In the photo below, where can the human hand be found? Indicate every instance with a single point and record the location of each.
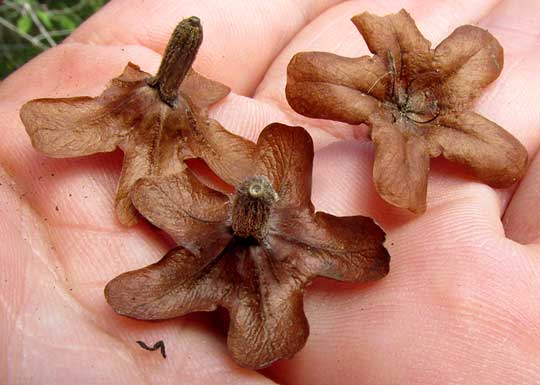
(460, 302)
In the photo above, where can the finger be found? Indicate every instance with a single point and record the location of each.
(511, 101)
(521, 219)
(515, 24)
(234, 31)
(516, 27)
(73, 70)
(248, 117)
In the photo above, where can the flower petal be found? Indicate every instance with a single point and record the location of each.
(193, 214)
(323, 100)
(83, 125)
(230, 156)
(267, 316)
(202, 91)
(135, 166)
(72, 126)
(468, 60)
(150, 149)
(401, 166)
(342, 248)
(396, 40)
(495, 155)
(180, 283)
(366, 74)
(285, 157)
(132, 73)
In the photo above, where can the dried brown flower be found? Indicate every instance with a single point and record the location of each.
(416, 100)
(252, 252)
(156, 121)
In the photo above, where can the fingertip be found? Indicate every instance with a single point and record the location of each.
(73, 70)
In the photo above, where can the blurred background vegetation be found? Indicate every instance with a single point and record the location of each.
(28, 27)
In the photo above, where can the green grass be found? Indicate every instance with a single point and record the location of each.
(28, 27)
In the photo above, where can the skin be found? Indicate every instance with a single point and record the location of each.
(460, 305)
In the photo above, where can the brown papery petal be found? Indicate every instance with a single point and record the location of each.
(366, 74)
(230, 156)
(468, 60)
(342, 248)
(285, 157)
(179, 283)
(142, 157)
(401, 166)
(83, 125)
(136, 165)
(495, 155)
(395, 38)
(268, 323)
(193, 214)
(139, 161)
(330, 101)
(72, 127)
(132, 73)
(202, 91)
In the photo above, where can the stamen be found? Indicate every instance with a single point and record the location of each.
(427, 121)
(377, 82)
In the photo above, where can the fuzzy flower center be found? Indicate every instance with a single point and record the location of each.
(416, 99)
(251, 207)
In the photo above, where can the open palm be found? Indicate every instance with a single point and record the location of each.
(461, 304)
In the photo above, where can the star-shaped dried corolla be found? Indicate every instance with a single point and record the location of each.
(416, 101)
(156, 121)
(252, 252)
